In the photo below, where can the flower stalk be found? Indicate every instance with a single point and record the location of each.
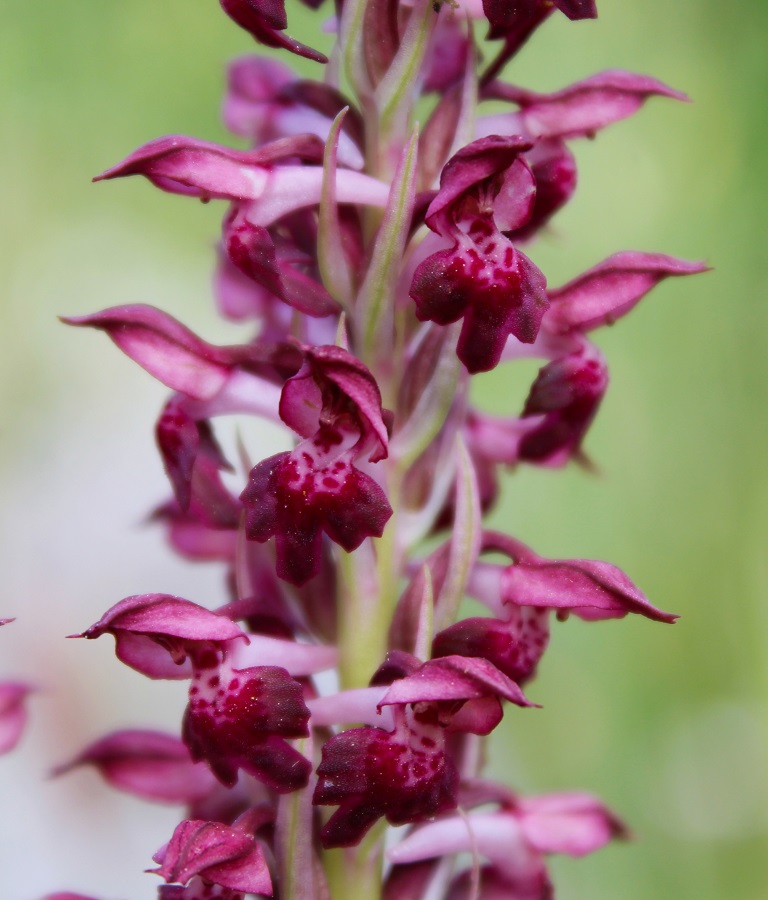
(376, 264)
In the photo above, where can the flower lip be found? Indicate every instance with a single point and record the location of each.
(297, 498)
(240, 719)
(561, 406)
(371, 773)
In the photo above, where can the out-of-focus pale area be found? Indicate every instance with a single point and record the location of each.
(667, 723)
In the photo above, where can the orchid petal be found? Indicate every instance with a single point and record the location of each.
(580, 585)
(265, 21)
(184, 165)
(164, 347)
(148, 764)
(585, 107)
(609, 290)
(219, 853)
(370, 773)
(155, 633)
(13, 713)
(454, 678)
(570, 823)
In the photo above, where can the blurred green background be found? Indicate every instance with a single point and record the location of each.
(667, 724)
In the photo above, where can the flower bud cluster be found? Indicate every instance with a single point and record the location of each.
(376, 265)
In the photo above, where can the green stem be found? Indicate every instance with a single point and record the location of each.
(366, 603)
(354, 873)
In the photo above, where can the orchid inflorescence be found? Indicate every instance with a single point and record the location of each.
(378, 266)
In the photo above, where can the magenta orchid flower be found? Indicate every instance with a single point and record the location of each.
(514, 839)
(264, 102)
(270, 178)
(523, 594)
(237, 717)
(485, 189)
(333, 403)
(201, 855)
(408, 774)
(548, 120)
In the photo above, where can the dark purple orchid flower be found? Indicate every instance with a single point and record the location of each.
(567, 392)
(334, 404)
(188, 447)
(265, 102)
(522, 596)
(237, 717)
(562, 403)
(485, 189)
(275, 264)
(515, 839)
(165, 637)
(205, 854)
(408, 774)
(577, 111)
